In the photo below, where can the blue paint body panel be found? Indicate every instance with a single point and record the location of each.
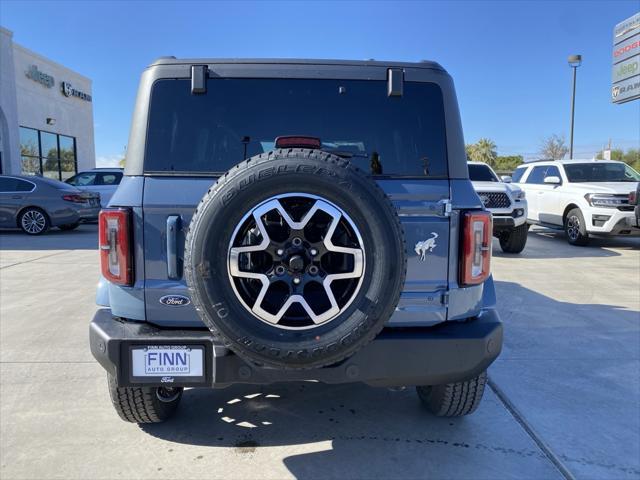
(431, 293)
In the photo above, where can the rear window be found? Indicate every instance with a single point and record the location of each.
(239, 118)
(481, 173)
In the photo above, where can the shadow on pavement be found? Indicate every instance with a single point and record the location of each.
(357, 431)
(572, 371)
(85, 237)
(250, 416)
(558, 358)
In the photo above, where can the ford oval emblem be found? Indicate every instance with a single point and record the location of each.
(175, 300)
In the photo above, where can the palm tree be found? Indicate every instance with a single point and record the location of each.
(483, 151)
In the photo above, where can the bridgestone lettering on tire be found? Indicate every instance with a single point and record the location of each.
(295, 258)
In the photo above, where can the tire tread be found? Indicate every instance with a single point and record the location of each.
(139, 404)
(454, 399)
(515, 240)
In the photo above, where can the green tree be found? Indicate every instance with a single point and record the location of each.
(122, 162)
(483, 151)
(630, 157)
(30, 165)
(469, 149)
(554, 147)
(508, 163)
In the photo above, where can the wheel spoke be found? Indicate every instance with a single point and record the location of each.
(295, 258)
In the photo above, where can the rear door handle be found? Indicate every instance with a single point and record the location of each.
(16, 197)
(173, 225)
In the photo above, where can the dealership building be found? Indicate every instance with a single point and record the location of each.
(46, 115)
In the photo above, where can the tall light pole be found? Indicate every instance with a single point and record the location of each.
(574, 62)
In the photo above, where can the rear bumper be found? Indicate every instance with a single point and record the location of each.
(449, 352)
(88, 214)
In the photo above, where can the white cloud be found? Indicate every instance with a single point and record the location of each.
(109, 160)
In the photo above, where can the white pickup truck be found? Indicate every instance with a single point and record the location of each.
(581, 196)
(507, 204)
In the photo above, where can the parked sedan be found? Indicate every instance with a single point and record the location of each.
(104, 181)
(35, 204)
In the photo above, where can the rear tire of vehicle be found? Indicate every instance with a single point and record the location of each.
(514, 240)
(453, 399)
(70, 226)
(144, 404)
(34, 221)
(575, 228)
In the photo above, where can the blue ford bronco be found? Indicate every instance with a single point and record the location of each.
(290, 220)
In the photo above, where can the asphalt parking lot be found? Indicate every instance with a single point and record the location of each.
(564, 400)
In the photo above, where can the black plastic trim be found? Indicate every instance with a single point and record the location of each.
(448, 352)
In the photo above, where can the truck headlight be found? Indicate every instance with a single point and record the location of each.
(519, 195)
(607, 201)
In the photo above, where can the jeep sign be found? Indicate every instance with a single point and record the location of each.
(625, 56)
(627, 68)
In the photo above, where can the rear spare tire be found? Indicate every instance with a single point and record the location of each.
(295, 258)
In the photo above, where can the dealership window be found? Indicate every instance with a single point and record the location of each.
(47, 154)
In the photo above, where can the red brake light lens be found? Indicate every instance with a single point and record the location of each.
(477, 233)
(75, 198)
(298, 141)
(115, 246)
(633, 198)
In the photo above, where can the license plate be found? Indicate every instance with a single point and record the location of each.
(172, 360)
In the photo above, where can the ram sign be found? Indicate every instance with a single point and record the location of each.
(625, 56)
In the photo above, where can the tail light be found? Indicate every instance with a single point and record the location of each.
(75, 198)
(475, 264)
(115, 246)
(633, 198)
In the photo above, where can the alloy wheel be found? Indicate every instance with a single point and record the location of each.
(573, 227)
(33, 221)
(296, 261)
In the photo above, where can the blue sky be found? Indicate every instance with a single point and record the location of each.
(508, 59)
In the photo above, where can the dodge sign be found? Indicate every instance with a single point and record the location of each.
(625, 56)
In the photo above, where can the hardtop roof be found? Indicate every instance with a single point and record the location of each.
(566, 162)
(298, 61)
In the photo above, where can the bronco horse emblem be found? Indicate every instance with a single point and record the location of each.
(426, 246)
